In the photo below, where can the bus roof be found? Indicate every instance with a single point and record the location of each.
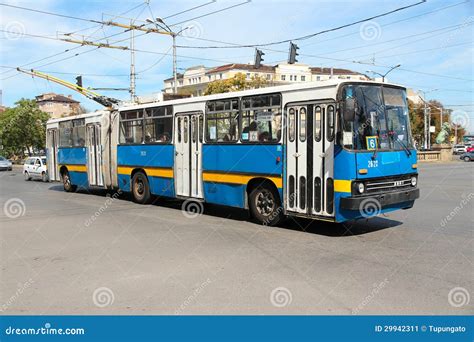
(250, 92)
(79, 116)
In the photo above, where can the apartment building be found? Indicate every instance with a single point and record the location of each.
(194, 80)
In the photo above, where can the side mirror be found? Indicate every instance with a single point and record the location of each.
(349, 109)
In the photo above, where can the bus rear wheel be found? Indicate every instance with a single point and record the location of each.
(68, 186)
(264, 204)
(140, 188)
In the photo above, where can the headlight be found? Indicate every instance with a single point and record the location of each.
(413, 181)
(360, 188)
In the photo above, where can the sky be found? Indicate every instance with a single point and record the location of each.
(433, 42)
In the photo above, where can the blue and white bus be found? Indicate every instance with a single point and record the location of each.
(333, 150)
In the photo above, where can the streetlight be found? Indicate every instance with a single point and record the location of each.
(173, 34)
(427, 135)
(384, 75)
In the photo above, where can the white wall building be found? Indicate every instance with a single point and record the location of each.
(194, 80)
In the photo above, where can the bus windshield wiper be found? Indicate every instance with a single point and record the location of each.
(407, 150)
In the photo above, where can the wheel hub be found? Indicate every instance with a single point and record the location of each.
(265, 202)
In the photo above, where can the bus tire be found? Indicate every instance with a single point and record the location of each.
(264, 204)
(140, 188)
(68, 186)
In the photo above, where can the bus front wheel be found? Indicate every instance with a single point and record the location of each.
(265, 207)
(68, 186)
(140, 188)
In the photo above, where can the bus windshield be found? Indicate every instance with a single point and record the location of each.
(375, 117)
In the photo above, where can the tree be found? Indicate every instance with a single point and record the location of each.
(23, 128)
(236, 83)
(416, 122)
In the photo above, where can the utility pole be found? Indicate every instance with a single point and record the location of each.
(175, 68)
(425, 130)
(163, 28)
(132, 64)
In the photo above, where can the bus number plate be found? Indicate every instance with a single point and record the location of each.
(373, 163)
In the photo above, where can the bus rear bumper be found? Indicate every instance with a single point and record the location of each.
(384, 200)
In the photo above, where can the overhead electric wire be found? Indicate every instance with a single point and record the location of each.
(78, 47)
(210, 13)
(316, 33)
(390, 23)
(190, 9)
(223, 61)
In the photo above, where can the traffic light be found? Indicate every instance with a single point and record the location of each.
(293, 53)
(79, 81)
(258, 58)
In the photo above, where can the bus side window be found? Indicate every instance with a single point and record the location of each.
(292, 124)
(131, 127)
(302, 123)
(261, 118)
(185, 131)
(317, 123)
(201, 128)
(330, 122)
(222, 120)
(158, 125)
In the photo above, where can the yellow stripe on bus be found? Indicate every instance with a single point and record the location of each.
(236, 178)
(75, 168)
(342, 185)
(150, 171)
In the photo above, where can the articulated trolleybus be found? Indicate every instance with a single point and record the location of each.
(332, 151)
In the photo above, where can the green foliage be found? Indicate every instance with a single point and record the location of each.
(22, 128)
(236, 83)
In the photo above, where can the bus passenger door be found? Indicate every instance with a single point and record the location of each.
(94, 155)
(52, 156)
(323, 122)
(188, 151)
(297, 152)
(310, 159)
(197, 132)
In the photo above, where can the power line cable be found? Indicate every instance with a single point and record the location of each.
(316, 33)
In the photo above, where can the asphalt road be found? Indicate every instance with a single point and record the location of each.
(87, 253)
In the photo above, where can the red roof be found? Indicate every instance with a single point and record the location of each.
(248, 67)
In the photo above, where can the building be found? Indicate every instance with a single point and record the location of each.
(58, 105)
(414, 97)
(194, 80)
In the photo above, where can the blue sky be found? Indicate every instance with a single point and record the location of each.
(430, 40)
